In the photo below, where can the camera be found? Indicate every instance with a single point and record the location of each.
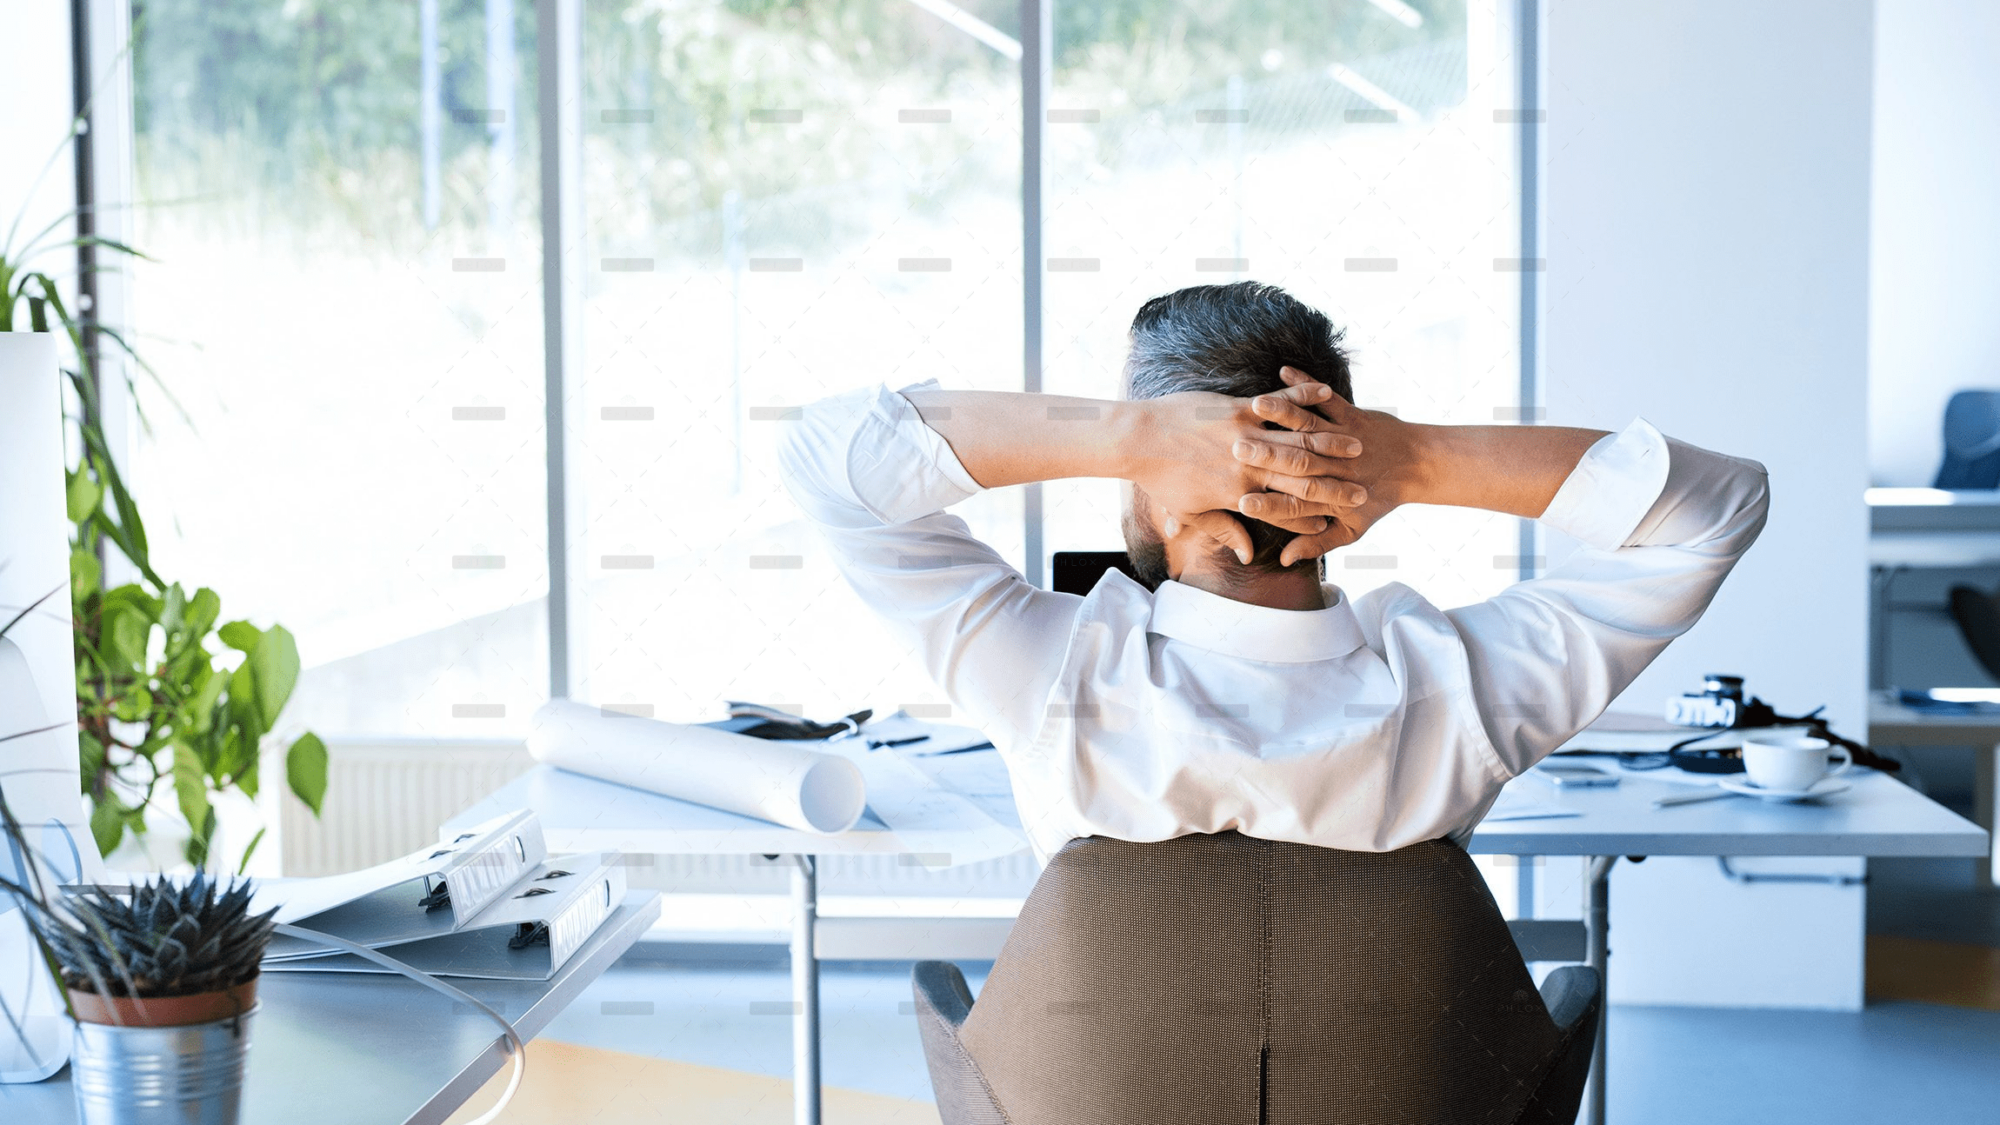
(1718, 704)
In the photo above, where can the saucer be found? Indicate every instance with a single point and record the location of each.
(1824, 787)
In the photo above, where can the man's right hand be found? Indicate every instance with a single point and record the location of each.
(1516, 470)
(1306, 482)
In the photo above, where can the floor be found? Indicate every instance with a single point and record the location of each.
(715, 1038)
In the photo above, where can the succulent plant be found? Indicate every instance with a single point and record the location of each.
(166, 938)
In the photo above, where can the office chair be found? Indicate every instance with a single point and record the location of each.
(1222, 978)
(1978, 616)
(1971, 441)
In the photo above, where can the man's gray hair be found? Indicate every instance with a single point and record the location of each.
(1231, 340)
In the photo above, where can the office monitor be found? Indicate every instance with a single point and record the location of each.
(1077, 572)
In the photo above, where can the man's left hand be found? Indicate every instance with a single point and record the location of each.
(1183, 455)
(1308, 477)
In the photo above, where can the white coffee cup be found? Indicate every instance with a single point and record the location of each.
(1791, 761)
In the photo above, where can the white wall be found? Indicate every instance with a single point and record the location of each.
(34, 72)
(1935, 301)
(34, 69)
(1707, 217)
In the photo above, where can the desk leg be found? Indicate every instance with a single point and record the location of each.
(1597, 951)
(1880, 578)
(805, 992)
(1985, 772)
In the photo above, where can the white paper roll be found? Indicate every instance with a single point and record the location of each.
(777, 781)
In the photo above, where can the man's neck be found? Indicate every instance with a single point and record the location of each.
(1294, 589)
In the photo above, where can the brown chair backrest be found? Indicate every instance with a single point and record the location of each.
(1221, 978)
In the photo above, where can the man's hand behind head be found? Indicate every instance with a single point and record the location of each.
(1184, 462)
(1308, 478)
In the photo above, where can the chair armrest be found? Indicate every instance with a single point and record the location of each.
(1571, 994)
(940, 986)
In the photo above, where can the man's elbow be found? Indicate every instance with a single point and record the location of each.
(1755, 506)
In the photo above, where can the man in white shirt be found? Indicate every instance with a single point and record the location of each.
(1233, 689)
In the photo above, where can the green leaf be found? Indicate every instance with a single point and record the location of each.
(244, 864)
(228, 747)
(134, 705)
(243, 712)
(198, 844)
(240, 635)
(201, 612)
(207, 691)
(181, 673)
(84, 494)
(89, 757)
(100, 240)
(134, 597)
(237, 755)
(107, 824)
(173, 608)
(275, 667)
(127, 531)
(305, 770)
(125, 638)
(85, 574)
(191, 786)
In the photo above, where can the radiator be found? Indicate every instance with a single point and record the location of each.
(386, 798)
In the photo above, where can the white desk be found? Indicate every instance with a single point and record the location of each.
(1892, 724)
(1878, 816)
(933, 827)
(1947, 549)
(337, 1048)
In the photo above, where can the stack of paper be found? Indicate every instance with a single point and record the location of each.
(486, 902)
(1628, 732)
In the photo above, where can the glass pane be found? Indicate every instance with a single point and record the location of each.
(784, 201)
(1359, 155)
(346, 302)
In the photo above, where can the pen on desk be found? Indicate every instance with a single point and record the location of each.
(1692, 798)
(877, 745)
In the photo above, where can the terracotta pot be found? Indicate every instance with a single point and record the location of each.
(164, 1011)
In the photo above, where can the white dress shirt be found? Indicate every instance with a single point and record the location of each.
(1377, 722)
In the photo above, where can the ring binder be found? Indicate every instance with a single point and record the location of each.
(483, 903)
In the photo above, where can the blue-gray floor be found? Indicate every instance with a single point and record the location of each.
(1669, 1066)
(1893, 1062)
(738, 1016)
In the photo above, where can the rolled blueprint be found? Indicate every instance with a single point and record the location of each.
(776, 781)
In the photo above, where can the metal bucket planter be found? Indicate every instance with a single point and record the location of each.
(157, 1069)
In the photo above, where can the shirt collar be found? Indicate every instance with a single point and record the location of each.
(1255, 632)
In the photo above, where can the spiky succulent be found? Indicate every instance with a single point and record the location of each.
(164, 938)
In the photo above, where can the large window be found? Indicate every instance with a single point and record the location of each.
(783, 201)
(344, 300)
(779, 200)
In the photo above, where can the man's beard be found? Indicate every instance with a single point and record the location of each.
(1143, 544)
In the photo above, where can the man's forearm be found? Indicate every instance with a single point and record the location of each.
(1511, 469)
(1008, 437)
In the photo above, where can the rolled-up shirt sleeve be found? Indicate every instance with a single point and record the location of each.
(875, 479)
(1662, 523)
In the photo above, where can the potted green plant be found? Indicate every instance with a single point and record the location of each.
(158, 714)
(161, 981)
